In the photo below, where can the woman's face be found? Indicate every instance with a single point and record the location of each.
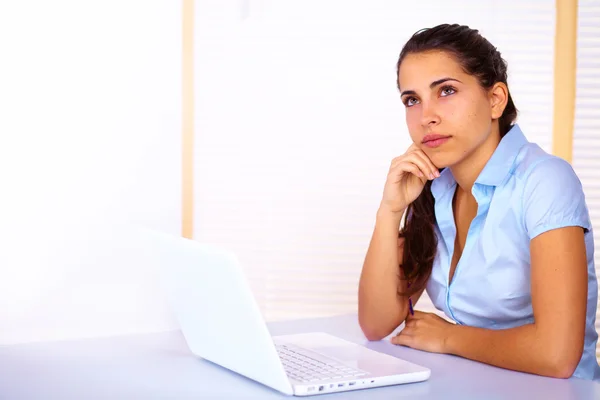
(441, 99)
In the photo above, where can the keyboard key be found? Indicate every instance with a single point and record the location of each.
(304, 368)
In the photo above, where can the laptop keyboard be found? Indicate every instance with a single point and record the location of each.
(300, 365)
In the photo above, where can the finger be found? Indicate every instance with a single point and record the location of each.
(423, 164)
(408, 330)
(412, 147)
(407, 166)
(403, 164)
(402, 340)
(401, 158)
(398, 160)
(431, 167)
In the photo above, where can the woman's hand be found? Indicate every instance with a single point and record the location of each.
(406, 179)
(425, 331)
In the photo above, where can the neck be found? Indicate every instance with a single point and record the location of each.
(467, 170)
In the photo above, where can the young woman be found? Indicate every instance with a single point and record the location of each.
(495, 229)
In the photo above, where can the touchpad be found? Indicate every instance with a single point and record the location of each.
(344, 352)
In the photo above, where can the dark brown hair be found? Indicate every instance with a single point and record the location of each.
(479, 58)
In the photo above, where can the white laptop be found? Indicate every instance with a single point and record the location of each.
(221, 322)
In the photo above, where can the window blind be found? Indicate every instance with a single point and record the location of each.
(586, 136)
(298, 118)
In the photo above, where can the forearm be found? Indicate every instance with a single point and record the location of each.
(380, 309)
(521, 349)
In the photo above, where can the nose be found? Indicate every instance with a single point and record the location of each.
(429, 114)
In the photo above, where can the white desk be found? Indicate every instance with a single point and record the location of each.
(159, 366)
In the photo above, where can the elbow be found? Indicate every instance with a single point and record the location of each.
(374, 332)
(373, 335)
(562, 366)
(561, 371)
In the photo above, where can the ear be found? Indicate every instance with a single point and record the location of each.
(498, 95)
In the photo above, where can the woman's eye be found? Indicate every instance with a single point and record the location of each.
(448, 90)
(410, 101)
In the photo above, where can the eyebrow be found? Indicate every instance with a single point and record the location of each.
(431, 86)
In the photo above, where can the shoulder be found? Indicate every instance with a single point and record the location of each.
(537, 169)
(551, 193)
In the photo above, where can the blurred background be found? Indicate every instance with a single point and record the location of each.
(276, 142)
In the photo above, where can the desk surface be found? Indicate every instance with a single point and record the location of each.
(159, 366)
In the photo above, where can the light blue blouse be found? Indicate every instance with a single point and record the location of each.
(522, 192)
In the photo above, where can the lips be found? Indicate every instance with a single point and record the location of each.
(433, 137)
(434, 140)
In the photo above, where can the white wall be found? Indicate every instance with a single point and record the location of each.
(90, 105)
(298, 118)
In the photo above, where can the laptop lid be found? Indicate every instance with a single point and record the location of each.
(216, 309)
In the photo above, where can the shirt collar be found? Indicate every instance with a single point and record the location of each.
(495, 170)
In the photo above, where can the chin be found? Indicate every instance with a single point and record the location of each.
(441, 160)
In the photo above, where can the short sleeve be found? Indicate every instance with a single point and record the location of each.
(553, 198)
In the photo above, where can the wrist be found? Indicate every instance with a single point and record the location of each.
(451, 337)
(386, 213)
